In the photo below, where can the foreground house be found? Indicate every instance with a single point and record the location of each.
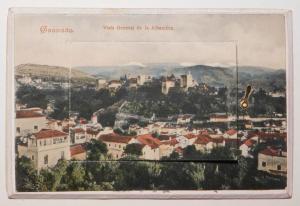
(150, 149)
(116, 144)
(273, 161)
(167, 147)
(78, 152)
(29, 121)
(46, 147)
(204, 143)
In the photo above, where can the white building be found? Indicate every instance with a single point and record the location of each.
(116, 144)
(114, 84)
(29, 121)
(101, 83)
(133, 83)
(77, 135)
(142, 79)
(246, 147)
(273, 161)
(204, 144)
(167, 83)
(167, 147)
(25, 79)
(184, 118)
(46, 147)
(150, 149)
(187, 81)
(78, 152)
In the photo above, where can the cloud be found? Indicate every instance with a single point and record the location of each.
(134, 64)
(187, 64)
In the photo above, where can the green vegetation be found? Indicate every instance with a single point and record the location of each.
(146, 101)
(98, 175)
(133, 149)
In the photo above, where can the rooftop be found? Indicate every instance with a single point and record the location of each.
(273, 152)
(28, 114)
(49, 133)
(115, 138)
(77, 149)
(148, 139)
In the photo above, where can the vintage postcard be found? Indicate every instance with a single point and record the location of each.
(157, 103)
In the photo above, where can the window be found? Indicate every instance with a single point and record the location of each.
(40, 142)
(119, 146)
(18, 130)
(45, 142)
(35, 127)
(263, 164)
(278, 167)
(62, 154)
(32, 157)
(46, 159)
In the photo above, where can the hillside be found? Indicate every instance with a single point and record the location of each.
(217, 76)
(258, 77)
(55, 72)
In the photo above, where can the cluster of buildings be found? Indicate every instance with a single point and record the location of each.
(185, 82)
(130, 81)
(43, 83)
(45, 140)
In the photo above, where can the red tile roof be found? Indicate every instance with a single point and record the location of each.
(171, 142)
(77, 149)
(49, 133)
(79, 130)
(166, 137)
(218, 140)
(190, 136)
(249, 142)
(28, 114)
(92, 132)
(272, 152)
(148, 139)
(231, 132)
(115, 138)
(203, 139)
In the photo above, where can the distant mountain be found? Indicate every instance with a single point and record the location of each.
(258, 77)
(115, 72)
(269, 79)
(52, 72)
(216, 76)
